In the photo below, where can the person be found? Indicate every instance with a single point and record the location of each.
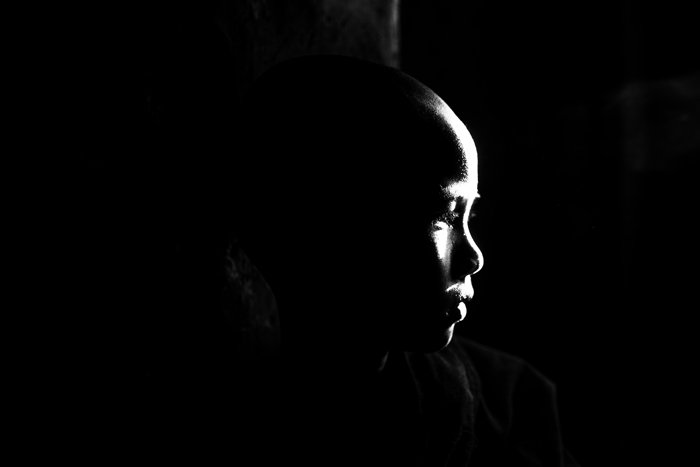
(355, 191)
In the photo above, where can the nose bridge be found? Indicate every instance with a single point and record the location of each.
(478, 255)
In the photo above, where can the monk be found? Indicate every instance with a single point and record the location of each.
(356, 189)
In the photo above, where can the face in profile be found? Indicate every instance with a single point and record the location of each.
(377, 250)
(426, 283)
(397, 269)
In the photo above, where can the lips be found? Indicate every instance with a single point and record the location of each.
(462, 307)
(456, 313)
(450, 310)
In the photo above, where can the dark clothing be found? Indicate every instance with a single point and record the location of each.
(516, 421)
(466, 405)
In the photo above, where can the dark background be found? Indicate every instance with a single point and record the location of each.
(589, 158)
(586, 117)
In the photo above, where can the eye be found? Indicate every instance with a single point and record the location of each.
(447, 219)
(450, 215)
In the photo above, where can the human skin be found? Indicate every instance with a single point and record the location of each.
(442, 262)
(374, 253)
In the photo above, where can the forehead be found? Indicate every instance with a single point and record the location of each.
(464, 155)
(443, 148)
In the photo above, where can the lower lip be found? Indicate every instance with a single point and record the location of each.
(462, 308)
(457, 314)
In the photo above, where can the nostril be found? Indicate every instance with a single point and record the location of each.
(467, 267)
(475, 265)
(467, 259)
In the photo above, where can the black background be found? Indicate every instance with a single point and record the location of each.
(589, 263)
(590, 266)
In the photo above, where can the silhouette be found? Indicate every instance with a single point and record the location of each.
(353, 197)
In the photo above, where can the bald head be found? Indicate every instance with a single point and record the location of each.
(328, 124)
(349, 162)
(356, 184)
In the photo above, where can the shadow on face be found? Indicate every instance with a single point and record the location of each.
(359, 182)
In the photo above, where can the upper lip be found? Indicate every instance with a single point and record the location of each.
(462, 293)
(457, 298)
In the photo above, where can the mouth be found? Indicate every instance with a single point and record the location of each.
(456, 313)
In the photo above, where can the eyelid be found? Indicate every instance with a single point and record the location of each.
(456, 208)
(448, 217)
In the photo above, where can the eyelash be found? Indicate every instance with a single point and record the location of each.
(451, 217)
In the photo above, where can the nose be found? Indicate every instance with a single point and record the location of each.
(467, 259)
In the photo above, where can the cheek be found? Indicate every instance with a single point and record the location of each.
(402, 262)
(424, 265)
(440, 242)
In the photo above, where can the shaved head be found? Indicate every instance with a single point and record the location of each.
(347, 167)
(349, 130)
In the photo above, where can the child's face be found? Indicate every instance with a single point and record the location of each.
(402, 276)
(434, 255)
(386, 256)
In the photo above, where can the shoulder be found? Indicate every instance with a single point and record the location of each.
(516, 407)
(498, 372)
(492, 375)
(503, 382)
